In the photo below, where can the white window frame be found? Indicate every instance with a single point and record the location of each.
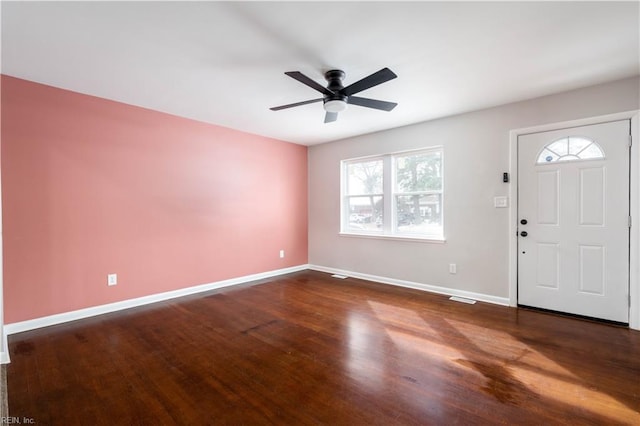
(345, 196)
(388, 230)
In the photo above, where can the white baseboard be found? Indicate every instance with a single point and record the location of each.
(4, 355)
(18, 327)
(504, 301)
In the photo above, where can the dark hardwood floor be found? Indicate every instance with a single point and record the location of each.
(310, 349)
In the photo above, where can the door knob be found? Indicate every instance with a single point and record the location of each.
(523, 221)
(523, 234)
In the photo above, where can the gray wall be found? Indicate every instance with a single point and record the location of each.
(476, 153)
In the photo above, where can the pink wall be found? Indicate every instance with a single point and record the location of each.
(92, 187)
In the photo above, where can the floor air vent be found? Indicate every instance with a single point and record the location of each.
(462, 299)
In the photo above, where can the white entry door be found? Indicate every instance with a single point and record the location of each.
(573, 220)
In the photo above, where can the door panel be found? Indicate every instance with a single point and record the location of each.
(548, 265)
(574, 254)
(548, 193)
(592, 199)
(592, 267)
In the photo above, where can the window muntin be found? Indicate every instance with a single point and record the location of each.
(572, 148)
(394, 195)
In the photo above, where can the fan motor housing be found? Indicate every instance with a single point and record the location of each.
(335, 97)
(334, 78)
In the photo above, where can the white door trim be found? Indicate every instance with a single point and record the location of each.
(634, 272)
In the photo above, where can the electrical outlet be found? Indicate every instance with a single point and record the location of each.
(453, 268)
(281, 254)
(112, 279)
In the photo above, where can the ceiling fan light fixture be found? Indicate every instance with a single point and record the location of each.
(335, 105)
(336, 97)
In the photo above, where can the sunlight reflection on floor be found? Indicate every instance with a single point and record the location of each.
(477, 351)
(545, 376)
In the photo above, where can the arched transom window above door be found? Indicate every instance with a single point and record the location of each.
(572, 148)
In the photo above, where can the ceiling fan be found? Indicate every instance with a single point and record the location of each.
(336, 97)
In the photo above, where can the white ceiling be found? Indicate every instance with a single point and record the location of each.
(223, 62)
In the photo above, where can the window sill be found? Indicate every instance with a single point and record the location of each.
(432, 240)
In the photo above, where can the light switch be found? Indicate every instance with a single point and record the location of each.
(500, 202)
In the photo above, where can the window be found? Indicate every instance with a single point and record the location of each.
(394, 195)
(573, 148)
(364, 194)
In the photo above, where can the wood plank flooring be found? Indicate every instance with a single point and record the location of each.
(308, 349)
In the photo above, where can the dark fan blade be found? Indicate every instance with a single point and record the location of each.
(306, 80)
(385, 74)
(330, 116)
(371, 103)
(278, 108)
